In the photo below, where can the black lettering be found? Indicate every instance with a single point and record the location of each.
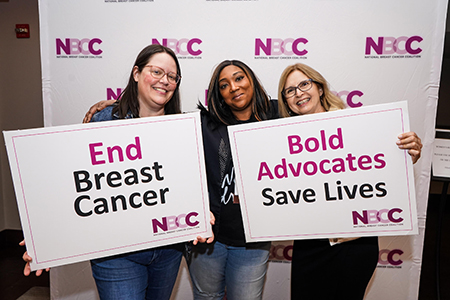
(379, 187)
(282, 199)
(146, 174)
(267, 196)
(132, 204)
(79, 181)
(114, 176)
(309, 193)
(114, 200)
(363, 189)
(327, 193)
(296, 198)
(156, 167)
(148, 196)
(351, 194)
(133, 178)
(97, 180)
(339, 190)
(162, 193)
(102, 208)
(78, 209)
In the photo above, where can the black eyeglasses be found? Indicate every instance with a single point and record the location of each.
(303, 86)
(159, 73)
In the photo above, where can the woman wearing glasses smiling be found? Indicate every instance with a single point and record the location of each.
(152, 90)
(335, 268)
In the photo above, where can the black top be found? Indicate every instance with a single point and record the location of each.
(224, 202)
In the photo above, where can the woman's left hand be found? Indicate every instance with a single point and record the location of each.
(411, 142)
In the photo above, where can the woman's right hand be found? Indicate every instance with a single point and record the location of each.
(96, 108)
(28, 259)
(209, 240)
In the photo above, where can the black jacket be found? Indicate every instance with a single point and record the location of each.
(228, 228)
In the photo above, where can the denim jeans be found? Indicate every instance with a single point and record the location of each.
(148, 274)
(216, 266)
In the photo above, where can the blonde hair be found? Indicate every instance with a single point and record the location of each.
(328, 100)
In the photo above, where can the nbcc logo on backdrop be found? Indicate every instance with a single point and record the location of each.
(350, 97)
(280, 252)
(277, 47)
(111, 94)
(182, 46)
(76, 47)
(390, 45)
(389, 258)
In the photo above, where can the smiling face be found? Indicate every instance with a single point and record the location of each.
(153, 93)
(303, 103)
(237, 91)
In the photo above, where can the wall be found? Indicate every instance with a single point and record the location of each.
(20, 90)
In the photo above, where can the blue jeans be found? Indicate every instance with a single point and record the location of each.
(242, 270)
(148, 274)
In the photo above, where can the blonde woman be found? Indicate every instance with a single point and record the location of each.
(328, 268)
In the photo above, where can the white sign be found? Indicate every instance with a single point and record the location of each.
(334, 174)
(441, 154)
(93, 190)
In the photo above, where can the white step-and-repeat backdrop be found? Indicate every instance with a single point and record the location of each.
(370, 51)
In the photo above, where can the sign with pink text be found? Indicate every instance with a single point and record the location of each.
(94, 190)
(326, 175)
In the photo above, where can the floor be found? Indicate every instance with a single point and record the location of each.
(15, 286)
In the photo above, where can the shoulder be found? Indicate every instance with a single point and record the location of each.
(274, 104)
(104, 115)
(334, 108)
(208, 121)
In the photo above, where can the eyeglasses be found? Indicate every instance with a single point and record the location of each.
(303, 86)
(159, 73)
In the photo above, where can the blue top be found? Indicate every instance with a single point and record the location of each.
(107, 115)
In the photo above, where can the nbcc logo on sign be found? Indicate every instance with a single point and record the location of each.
(389, 45)
(76, 46)
(377, 216)
(175, 222)
(274, 46)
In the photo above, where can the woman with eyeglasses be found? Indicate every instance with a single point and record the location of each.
(152, 90)
(329, 269)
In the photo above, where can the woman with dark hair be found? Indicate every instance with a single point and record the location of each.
(259, 105)
(152, 90)
(235, 96)
(329, 268)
